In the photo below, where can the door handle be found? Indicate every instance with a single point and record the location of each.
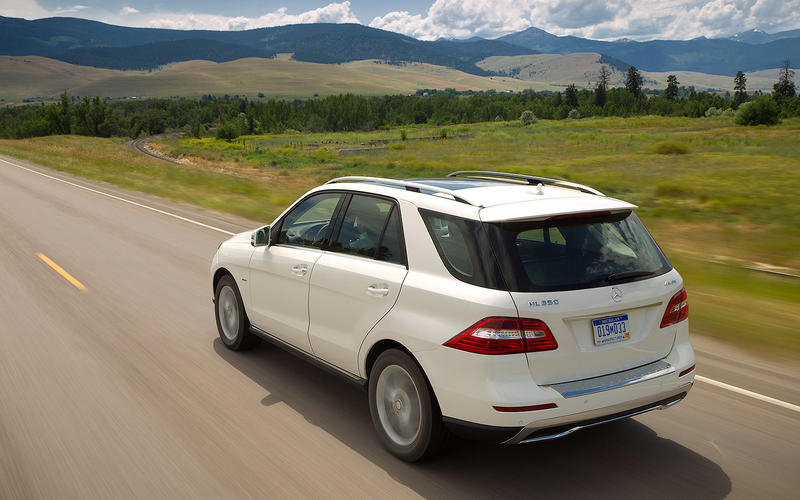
(378, 290)
(300, 269)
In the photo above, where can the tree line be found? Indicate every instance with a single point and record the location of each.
(233, 115)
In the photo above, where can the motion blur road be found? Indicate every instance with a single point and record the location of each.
(123, 389)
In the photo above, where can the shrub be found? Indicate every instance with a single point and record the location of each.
(712, 111)
(761, 111)
(671, 148)
(228, 131)
(443, 134)
(195, 127)
(573, 114)
(527, 117)
(403, 135)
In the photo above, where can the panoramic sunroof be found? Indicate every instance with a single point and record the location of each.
(456, 184)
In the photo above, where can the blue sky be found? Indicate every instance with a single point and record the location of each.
(431, 19)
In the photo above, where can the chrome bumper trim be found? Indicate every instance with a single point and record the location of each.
(614, 380)
(567, 424)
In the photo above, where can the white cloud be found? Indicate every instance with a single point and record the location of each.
(60, 11)
(641, 19)
(27, 10)
(129, 16)
(605, 20)
(460, 19)
(331, 13)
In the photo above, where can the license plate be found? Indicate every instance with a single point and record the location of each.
(611, 329)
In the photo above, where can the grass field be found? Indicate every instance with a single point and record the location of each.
(25, 77)
(30, 77)
(583, 68)
(727, 202)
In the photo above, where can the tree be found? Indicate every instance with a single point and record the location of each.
(634, 81)
(59, 117)
(760, 111)
(571, 96)
(740, 88)
(671, 91)
(227, 130)
(89, 114)
(784, 88)
(600, 93)
(527, 117)
(195, 127)
(153, 121)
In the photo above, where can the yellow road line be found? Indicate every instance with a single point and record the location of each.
(77, 284)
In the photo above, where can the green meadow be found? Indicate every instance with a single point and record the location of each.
(720, 199)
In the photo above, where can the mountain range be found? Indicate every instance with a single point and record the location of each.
(748, 51)
(758, 36)
(92, 43)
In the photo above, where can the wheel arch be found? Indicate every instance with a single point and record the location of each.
(218, 274)
(378, 348)
(384, 345)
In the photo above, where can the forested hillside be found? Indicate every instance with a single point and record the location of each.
(90, 43)
(714, 56)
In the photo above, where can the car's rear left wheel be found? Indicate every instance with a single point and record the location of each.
(232, 322)
(404, 411)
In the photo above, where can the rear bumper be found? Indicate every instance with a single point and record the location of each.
(480, 432)
(557, 427)
(467, 396)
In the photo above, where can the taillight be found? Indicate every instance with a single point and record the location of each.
(504, 336)
(537, 336)
(677, 309)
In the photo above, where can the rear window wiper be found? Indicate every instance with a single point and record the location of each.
(629, 274)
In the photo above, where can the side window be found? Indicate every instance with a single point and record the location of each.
(308, 224)
(465, 249)
(391, 246)
(363, 226)
(450, 239)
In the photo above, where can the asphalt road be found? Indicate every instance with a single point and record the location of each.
(123, 389)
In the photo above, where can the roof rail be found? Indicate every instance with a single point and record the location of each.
(408, 185)
(481, 174)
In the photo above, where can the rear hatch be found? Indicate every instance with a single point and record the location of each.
(597, 335)
(597, 280)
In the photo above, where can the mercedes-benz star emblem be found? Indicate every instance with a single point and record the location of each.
(616, 294)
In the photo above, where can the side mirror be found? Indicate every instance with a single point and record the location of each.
(260, 237)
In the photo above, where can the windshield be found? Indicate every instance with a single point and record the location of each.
(575, 252)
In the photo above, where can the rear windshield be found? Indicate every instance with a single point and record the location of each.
(571, 253)
(552, 255)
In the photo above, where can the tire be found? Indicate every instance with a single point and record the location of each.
(403, 407)
(232, 323)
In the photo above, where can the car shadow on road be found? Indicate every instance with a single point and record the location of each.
(624, 459)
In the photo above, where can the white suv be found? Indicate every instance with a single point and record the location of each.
(492, 305)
